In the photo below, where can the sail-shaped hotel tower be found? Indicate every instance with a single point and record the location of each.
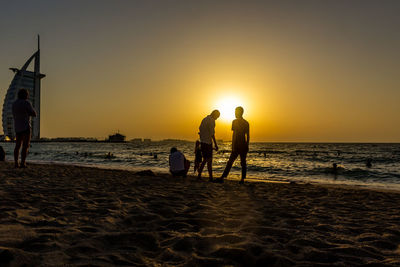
(29, 80)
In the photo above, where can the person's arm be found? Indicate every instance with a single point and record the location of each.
(215, 142)
(248, 136)
(233, 140)
(212, 129)
(233, 132)
(31, 110)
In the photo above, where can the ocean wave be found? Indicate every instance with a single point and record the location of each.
(297, 161)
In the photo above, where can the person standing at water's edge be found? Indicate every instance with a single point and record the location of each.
(22, 112)
(2, 154)
(207, 136)
(240, 144)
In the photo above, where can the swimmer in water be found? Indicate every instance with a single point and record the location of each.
(334, 168)
(369, 163)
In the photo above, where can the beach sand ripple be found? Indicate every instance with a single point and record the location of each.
(68, 215)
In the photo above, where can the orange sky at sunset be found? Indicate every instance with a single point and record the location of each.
(308, 72)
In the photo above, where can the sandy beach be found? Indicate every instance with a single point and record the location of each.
(67, 215)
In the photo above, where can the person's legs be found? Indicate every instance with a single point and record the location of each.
(197, 165)
(2, 154)
(209, 167)
(200, 170)
(229, 164)
(243, 163)
(26, 139)
(206, 150)
(18, 143)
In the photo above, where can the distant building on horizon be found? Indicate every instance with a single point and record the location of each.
(116, 138)
(29, 80)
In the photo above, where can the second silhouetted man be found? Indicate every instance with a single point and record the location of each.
(240, 144)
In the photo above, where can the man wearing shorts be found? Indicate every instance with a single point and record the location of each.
(207, 136)
(240, 144)
(22, 112)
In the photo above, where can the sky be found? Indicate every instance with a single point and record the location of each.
(304, 71)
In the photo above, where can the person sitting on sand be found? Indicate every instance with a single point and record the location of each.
(178, 164)
(2, 154)
(207, 136)
(240, 144)
(198, 157)
(22, 111)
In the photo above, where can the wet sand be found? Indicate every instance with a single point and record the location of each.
(55, 215)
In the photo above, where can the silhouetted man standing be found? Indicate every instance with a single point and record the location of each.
(207, 136)
(22, 111)
(240, 144)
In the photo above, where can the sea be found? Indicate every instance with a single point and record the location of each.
(278, 162)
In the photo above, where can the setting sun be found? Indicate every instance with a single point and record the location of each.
(227, 107)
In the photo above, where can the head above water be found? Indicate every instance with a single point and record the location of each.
(215, 114)
(23, 94)
(239, 112)
(173, 150)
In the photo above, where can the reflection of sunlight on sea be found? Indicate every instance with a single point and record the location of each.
(266, 161)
